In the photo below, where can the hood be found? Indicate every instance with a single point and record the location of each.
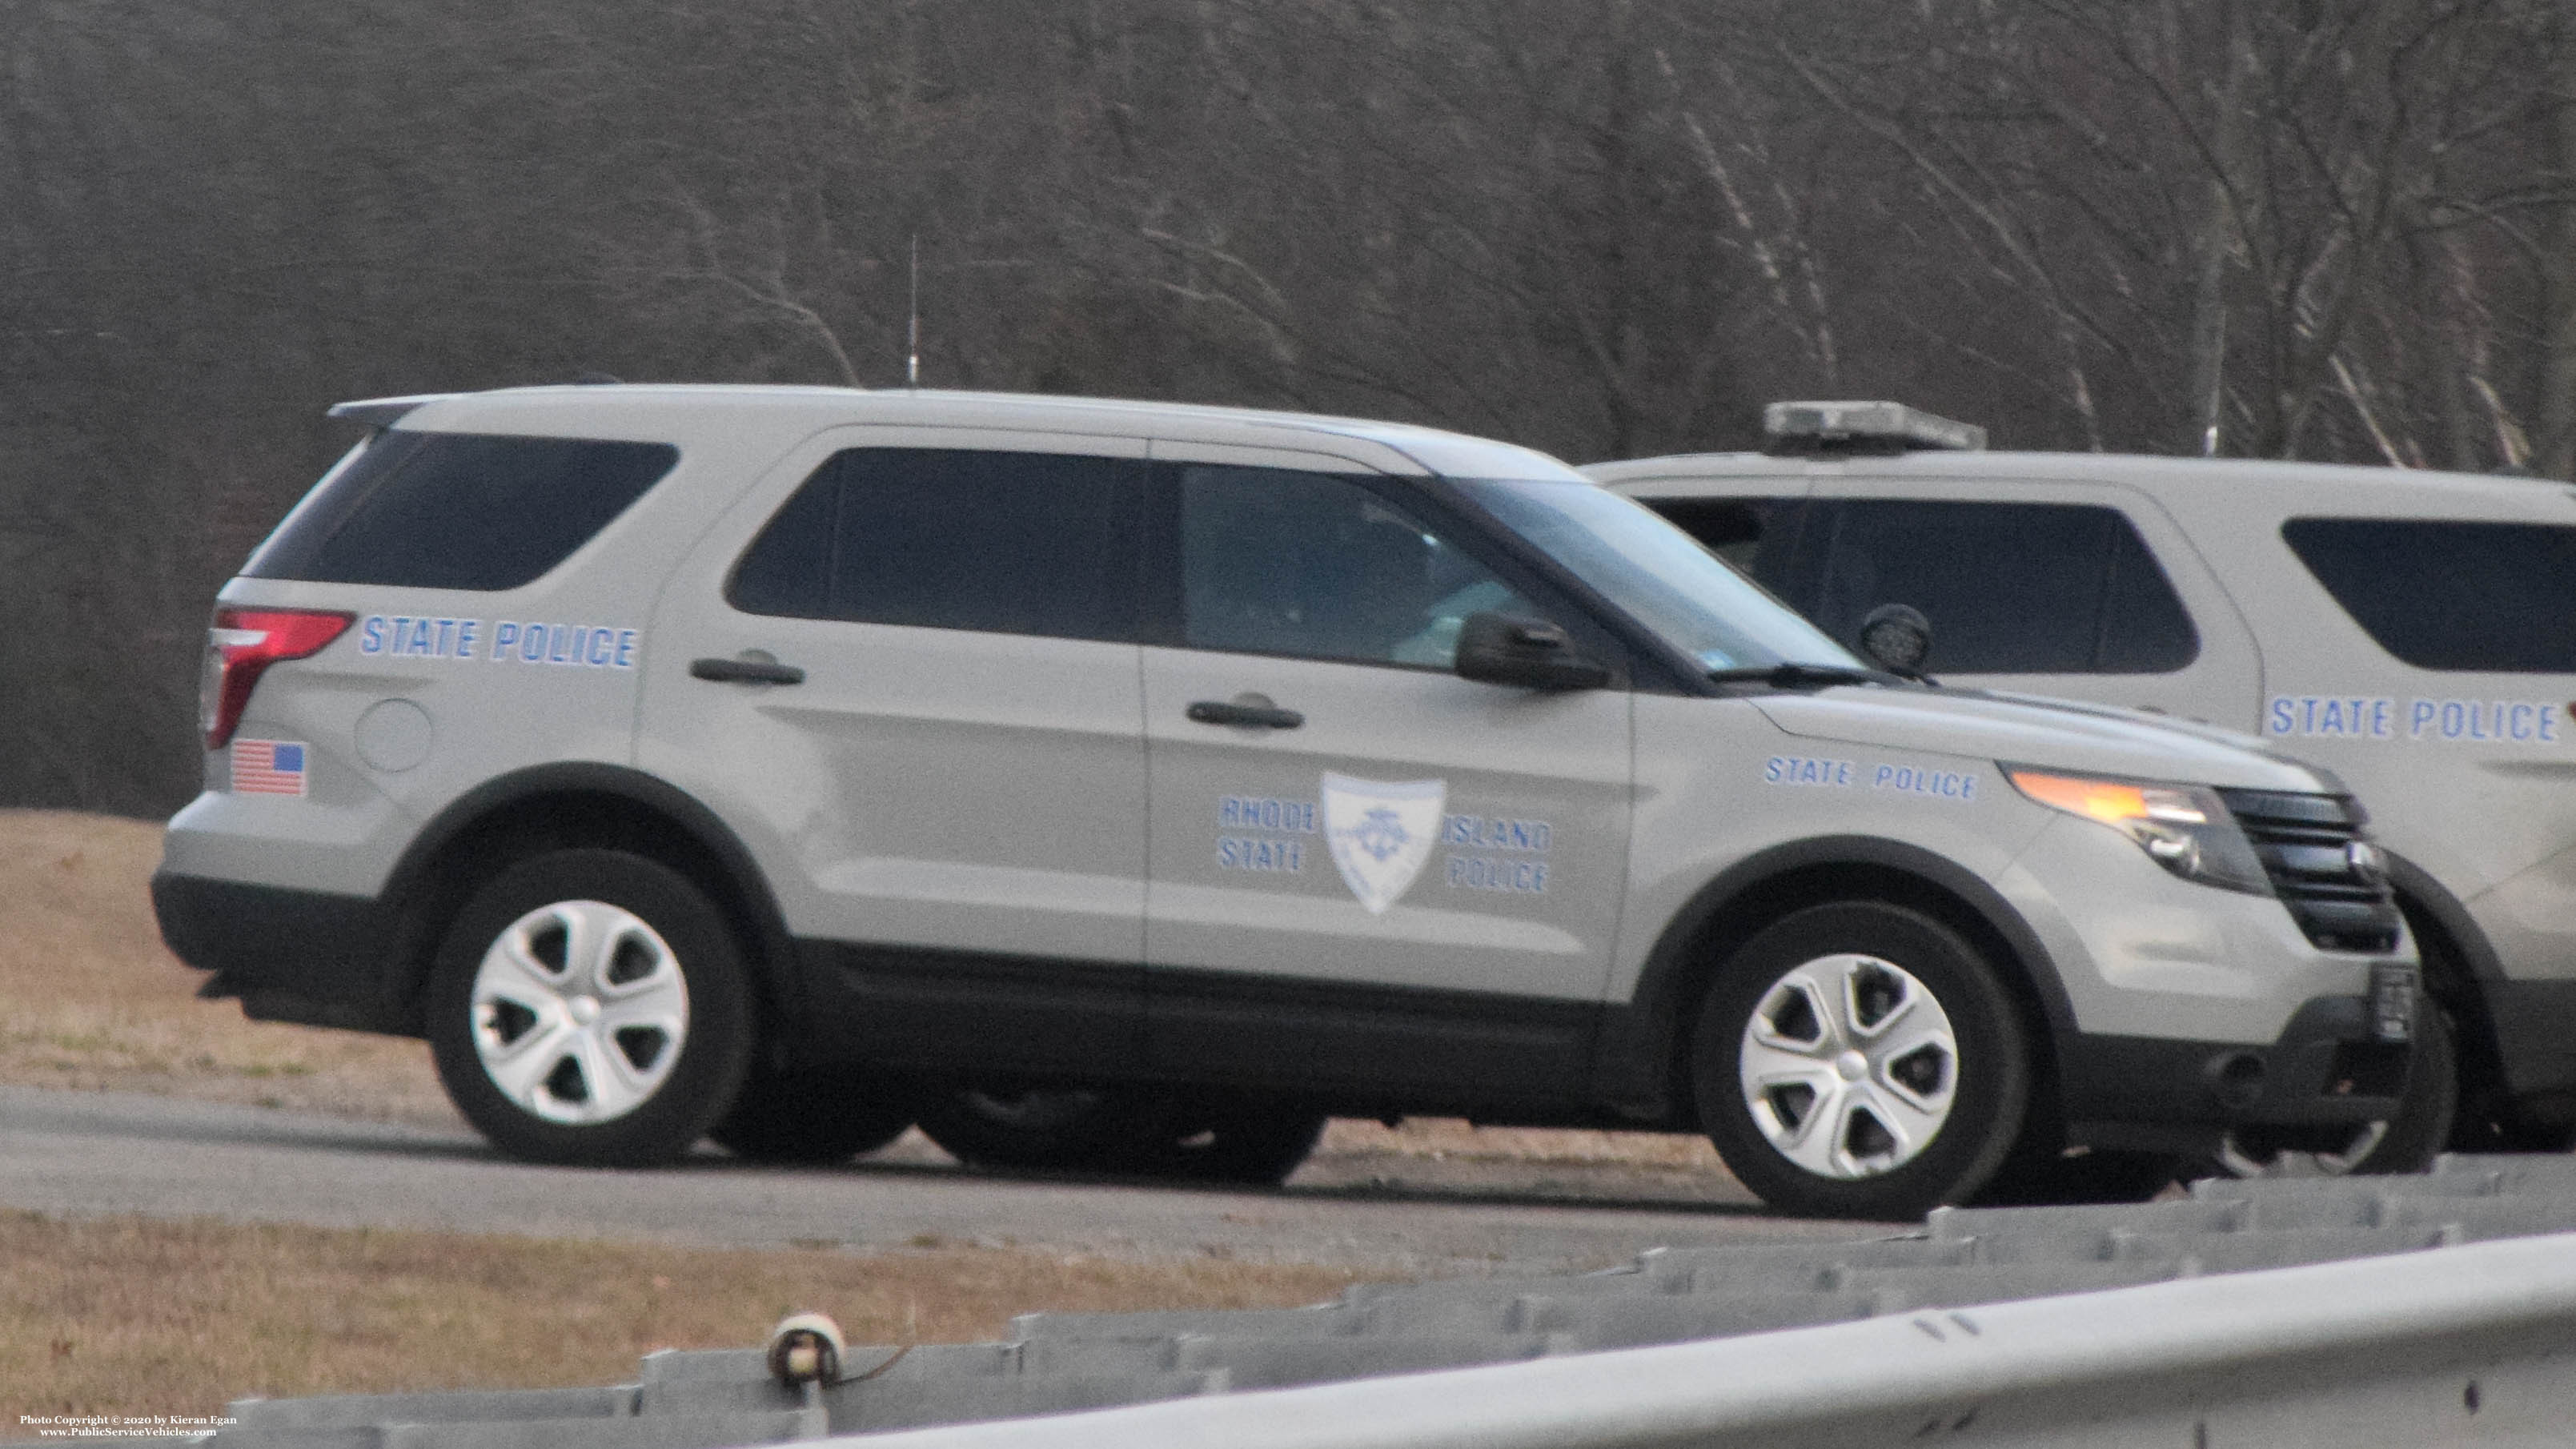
(2049, 733)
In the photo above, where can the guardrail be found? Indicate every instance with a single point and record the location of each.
(2472, 1344)
(2267, 1312)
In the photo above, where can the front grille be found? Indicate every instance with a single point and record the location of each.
(2305, 843)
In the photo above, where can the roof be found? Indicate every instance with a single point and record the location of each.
(659, 411)
(2176, 479)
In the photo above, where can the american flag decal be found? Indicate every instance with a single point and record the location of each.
(268, 767)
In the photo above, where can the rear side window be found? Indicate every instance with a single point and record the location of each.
(460, 510)
(2010, 588)
(940, 538)
(2493, 597)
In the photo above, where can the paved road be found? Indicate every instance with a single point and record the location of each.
(86, 1153)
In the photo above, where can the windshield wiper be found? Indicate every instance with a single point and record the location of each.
(1790, 674)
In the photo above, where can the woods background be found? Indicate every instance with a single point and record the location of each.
(2339, 229)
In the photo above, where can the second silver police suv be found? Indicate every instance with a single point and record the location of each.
(1148, 782)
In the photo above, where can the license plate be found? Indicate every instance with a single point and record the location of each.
(2392, 1002)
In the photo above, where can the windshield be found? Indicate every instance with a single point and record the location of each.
(1658, 574)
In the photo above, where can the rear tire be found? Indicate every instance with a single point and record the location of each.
(1860, 1060)
(1231, 1140)
(590, 1007)
(813, 1118)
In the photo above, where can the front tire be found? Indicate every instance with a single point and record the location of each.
(1860, 1060)
(590, 1007)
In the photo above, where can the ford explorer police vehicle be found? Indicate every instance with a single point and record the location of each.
(791, 764)
(2413, 630)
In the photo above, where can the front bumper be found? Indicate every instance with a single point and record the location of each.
(290, 955)
(2334, 1064)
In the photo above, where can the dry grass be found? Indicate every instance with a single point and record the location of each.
(132, 1316)
(95, 1001)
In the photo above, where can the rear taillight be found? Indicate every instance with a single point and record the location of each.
(244, 642)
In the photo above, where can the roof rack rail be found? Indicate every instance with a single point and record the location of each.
(1862, 427)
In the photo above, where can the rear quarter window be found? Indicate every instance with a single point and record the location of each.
(2490, 597)
(460, 510)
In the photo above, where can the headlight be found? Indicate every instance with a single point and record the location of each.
(2184, 828)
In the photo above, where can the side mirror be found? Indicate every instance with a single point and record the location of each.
(1531, 653)
(1897, 638)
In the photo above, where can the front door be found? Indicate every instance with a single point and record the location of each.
(1366, 871)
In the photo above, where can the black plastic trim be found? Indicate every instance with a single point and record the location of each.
(1420, 1045)
(290, 955)
(2154, 1080)
(2535, 1023)
(969, 1012)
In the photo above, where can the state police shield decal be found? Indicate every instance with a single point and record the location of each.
(1381, 833)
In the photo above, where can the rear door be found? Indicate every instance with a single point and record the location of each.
(1366, 870)
(949, 798)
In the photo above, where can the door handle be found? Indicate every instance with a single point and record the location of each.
(746, 671)
(1213, 711)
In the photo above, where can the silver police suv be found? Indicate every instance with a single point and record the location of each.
(2413, 630)
(1130, 786)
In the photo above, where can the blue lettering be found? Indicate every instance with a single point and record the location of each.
(602, 645)
(465, 637)
(2308, 715)
(2455, 717)
(1506, 877)
(504, 634)
(419, 642)
(2285, 715)
(625, 649)
(371, 635)
(560, 639)
(2521, 727)
(2420, 718)
(1238, 852)
(2330, 718)
(2379, 718)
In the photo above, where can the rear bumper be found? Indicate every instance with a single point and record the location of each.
(290, 955)
(2327, 1068)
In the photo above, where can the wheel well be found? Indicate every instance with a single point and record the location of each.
(437, 886)
(1750, 910)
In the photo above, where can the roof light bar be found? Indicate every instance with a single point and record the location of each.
(1862, 427)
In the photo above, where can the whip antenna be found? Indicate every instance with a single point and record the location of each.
(912, 330)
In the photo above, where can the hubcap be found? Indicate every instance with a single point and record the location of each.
(580, 1012)
(1849, 1066)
